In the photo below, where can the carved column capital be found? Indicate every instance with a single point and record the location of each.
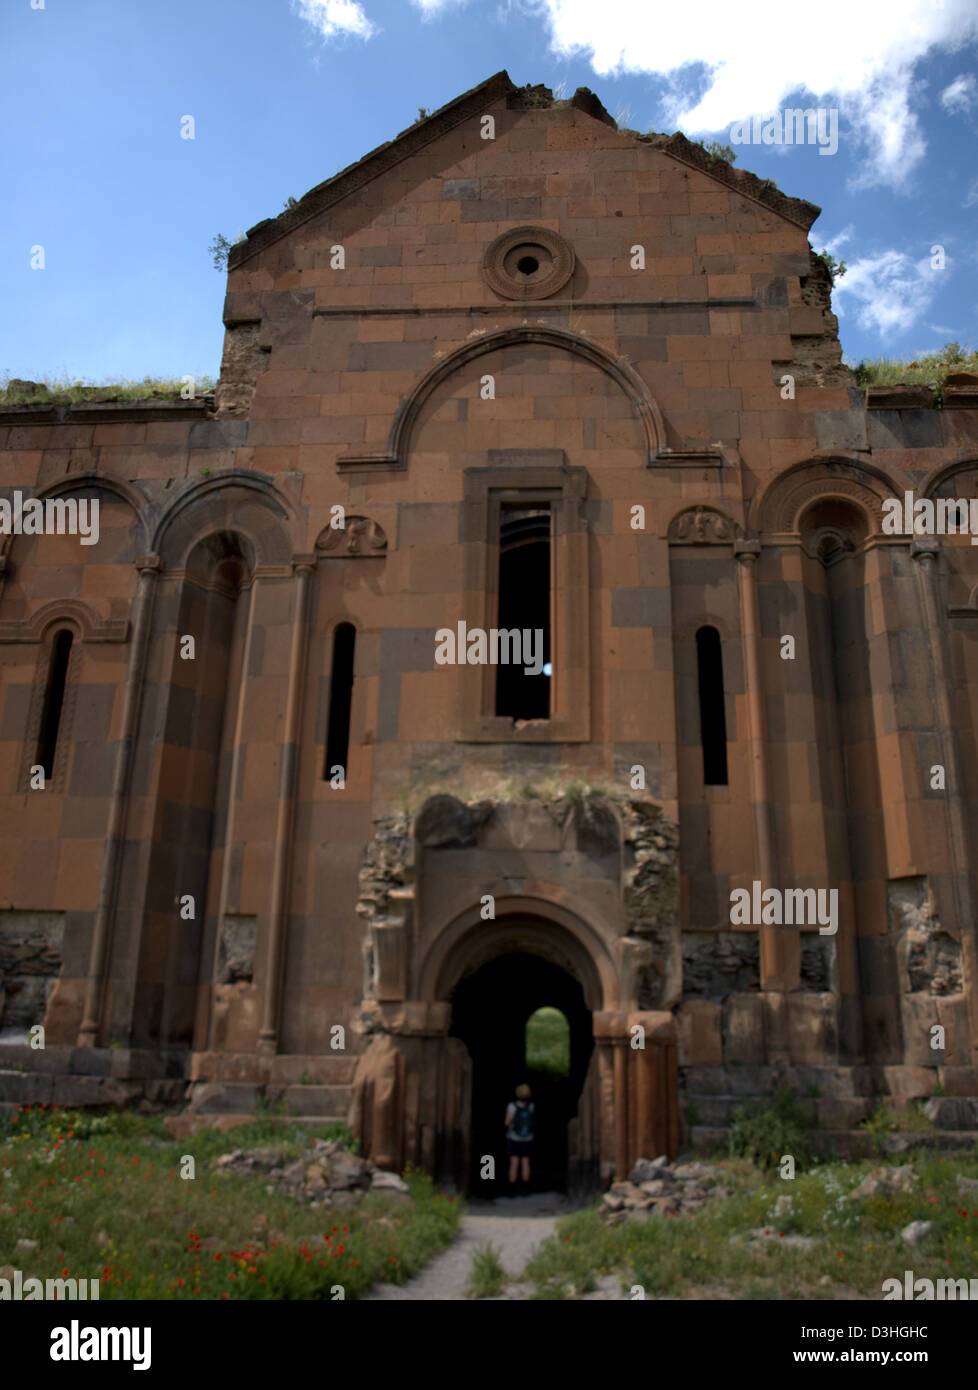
(924, 548)
(747, 551)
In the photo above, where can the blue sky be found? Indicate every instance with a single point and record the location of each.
(286, 92)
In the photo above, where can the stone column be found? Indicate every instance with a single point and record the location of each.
(640, 1118)
(774, 981)
(148, 567)
(622, 1167)
(304, 567)
(924, 551)
(653, 1074)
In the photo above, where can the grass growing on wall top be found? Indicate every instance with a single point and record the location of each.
(62, 390)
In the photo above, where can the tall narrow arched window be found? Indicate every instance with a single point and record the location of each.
(524, 608)
(713, 719)
(340, 699)
(54, 698)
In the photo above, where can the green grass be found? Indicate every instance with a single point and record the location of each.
(885, 1121)
(765, 1133)
(548, 1042)
(487, 1276)
(929, 370)
(702, 1254)
(103, 1197)
(64, 391)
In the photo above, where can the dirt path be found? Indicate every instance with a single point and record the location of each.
(515, 1225)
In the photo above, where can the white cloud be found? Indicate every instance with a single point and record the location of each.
(431, 8)
(835, 243)
(961, 96)
(333, 19)
(722, 68)
(891, 291)
(971, 197)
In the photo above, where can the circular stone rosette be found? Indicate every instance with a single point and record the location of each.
(528, 263)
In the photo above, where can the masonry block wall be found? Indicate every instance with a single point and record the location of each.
(385, 353)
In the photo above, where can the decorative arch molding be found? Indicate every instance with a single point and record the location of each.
(943, 475)
(848, 479)
(235, 501)
(71, 612)
(946, 478)
(531, 925)
(617, 368)
(704, 525)
(108, 482)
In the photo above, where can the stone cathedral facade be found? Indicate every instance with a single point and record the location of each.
(514, 372)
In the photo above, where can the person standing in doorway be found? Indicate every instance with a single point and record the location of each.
(519, 1134)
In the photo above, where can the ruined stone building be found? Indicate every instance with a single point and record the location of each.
(516, 369)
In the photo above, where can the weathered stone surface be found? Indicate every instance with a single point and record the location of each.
(237, 948)
(649, 1169)
(325, 1174)
(630, 1194)
(952, 1112)
(930, 957)
(899, 397)
(699, 1025)
(885, 1180)
(387, 1182)
(215, 1097)
(716, 964)
(645, 443)
(30, 958)
(71, 1091)
(21, 386)
(447, 823)
(916, 1232)
(695, 1171)
(347, 1170)
(658, 1188)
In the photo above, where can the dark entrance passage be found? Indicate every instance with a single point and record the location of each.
(490, 1009)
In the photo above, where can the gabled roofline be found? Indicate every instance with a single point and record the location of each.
(764, 191)
(377, 162)
(472, 103)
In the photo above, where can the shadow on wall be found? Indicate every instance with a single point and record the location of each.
(490, 1009)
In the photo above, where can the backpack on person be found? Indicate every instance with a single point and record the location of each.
(522, 1125)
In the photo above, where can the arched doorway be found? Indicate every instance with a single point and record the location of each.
(467, 987)
(490, 1008)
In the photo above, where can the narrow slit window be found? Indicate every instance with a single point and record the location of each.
(340, 700)
(54, 698)
(713, 719)
(523, 672)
